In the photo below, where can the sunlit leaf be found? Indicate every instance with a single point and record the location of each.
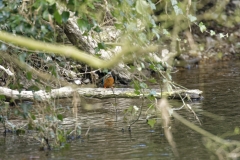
(51, 2)
(135, 108)
(177, 10)
(221, 35)
(237, 130)
(139, 68)
(130, 2)
(143, 85)
(192, 18)
(143, 37)
(152, 5)
(79, 130)
(151, 122)
(202, 27)
(22, 57)
(3, 47)
(212, 33)
(174, 2)
(156, 33)
(160, 67)
(153, 92)
(142, 7)
(165, 32)
(105, 70)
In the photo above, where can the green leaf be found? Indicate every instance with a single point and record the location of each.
(89, 4)
(237, 130)
(29, 75)
(33, 117)
(65, 16)
(48, 88)
(33, 88)
(137, 92)
(136, 86)
(20, 131)
(97, 54)
(101, 45)
(202, 27)
(83, 24)
(97, 29)
(151, 122)
(159, 66)
(130, 109)
(152, 80)
(58, 17)
(52, 69)
(60, 117)
(2, 98)
(152, 67)
(52, 9)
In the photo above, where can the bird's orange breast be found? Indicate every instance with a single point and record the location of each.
(108, 82)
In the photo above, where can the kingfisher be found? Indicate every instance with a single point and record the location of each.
(108, 81)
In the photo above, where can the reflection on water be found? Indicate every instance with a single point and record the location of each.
(107, 140)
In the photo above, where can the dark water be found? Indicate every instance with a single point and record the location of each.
(106, 140)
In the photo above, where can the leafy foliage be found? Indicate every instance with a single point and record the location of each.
(141, 22)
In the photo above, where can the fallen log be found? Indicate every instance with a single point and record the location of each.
(65, 92)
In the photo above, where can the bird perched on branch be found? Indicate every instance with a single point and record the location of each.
(108, 81)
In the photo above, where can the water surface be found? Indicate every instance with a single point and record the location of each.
(110, 139)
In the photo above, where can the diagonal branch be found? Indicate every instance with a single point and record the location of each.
(72, 52)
